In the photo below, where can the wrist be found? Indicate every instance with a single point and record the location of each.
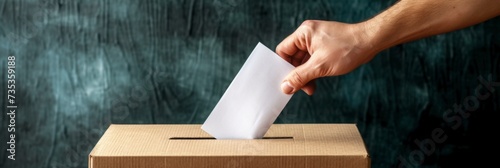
(367, 37)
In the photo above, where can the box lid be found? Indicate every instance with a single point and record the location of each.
(334, 141)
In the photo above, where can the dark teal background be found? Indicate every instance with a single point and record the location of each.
(82, 65)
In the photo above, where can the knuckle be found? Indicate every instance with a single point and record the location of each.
(321, 69)
(298, 79)
(309, 23)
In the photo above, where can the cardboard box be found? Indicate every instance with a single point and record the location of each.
(187, 146)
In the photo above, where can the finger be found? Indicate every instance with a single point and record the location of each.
(306, 58)
(298, 78)
(288, 47)
(310, 87)
(298, 58)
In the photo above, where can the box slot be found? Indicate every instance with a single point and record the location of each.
(212, 138)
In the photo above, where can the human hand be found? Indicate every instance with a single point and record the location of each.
(323, 48)
(327, 48)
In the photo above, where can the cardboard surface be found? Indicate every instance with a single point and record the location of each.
(187, 146)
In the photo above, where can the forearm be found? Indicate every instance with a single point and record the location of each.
(410, 20)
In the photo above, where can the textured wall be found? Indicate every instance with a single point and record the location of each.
(82, 65)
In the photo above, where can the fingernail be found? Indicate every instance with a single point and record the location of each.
(286, 88)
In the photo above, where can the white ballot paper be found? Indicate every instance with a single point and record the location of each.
(253, 100)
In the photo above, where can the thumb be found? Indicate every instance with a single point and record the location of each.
(301, 77)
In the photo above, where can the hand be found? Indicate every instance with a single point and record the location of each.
(327, 48)
(322, 48)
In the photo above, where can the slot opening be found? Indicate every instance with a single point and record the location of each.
(212, 138)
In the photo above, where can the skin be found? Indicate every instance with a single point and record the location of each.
(328, 48)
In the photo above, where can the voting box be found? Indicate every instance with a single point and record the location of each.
(188, 146)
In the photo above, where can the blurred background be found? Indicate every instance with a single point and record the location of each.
(82, 65)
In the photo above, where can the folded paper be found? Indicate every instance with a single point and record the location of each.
(253, 100)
